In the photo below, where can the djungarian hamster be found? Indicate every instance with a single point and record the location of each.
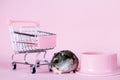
(64, 61)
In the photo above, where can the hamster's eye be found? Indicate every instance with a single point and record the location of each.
(56, 61)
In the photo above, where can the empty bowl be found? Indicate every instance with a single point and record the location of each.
(98, 63)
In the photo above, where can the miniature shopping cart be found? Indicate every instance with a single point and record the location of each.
(27, 38)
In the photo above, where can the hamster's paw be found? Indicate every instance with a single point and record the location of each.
(56, 71)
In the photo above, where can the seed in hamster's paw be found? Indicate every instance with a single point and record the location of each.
(56, 71)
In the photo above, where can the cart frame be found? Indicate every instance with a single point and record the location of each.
(25, 42)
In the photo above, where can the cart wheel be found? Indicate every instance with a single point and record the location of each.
(14, 65)
(32, 69)
(50, 70)
(49, 67)
(74, 71)
(37, 63)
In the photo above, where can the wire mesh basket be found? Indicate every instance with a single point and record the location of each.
(26, 38)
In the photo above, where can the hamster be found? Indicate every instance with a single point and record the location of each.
(64, 61)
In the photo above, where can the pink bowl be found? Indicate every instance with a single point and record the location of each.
(98, 63)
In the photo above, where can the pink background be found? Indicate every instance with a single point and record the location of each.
(80, 25)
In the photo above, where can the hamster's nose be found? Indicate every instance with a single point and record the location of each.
(57, 67)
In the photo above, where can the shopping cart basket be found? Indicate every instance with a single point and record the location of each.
(27, 38)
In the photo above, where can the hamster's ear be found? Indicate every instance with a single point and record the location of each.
(55, 54)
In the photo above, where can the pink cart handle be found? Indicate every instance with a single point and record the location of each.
(24, 21)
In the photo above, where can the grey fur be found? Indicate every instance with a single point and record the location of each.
(65, 61)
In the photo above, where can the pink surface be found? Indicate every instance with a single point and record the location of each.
(80, 25)
(42, 73)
